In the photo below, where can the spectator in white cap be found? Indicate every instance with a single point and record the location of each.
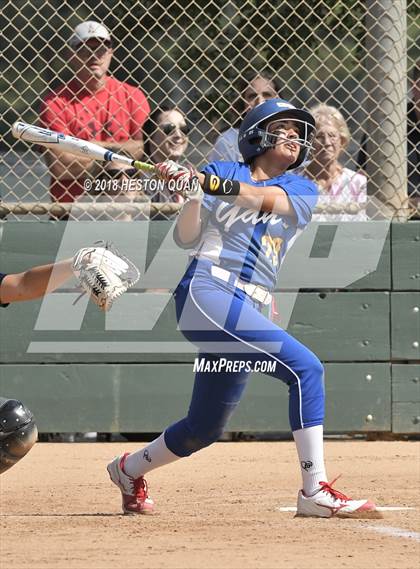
(93, 106)
(88, 30)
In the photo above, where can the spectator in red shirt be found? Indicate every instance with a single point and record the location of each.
(93, 106)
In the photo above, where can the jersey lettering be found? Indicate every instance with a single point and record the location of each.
(250, 216)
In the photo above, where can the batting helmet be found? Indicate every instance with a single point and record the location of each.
(254, 139)
(18, 432)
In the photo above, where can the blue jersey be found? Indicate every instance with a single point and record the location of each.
(2, 275)
(247, 242)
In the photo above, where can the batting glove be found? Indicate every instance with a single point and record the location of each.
(181, 179)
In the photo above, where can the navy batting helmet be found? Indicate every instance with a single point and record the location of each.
(254, 139)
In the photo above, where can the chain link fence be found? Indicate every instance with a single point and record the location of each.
(199, 58)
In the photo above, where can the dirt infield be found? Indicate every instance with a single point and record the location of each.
(216, 509)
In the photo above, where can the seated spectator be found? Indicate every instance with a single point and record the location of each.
(342, 192)
(166, 138)
(93, 106)
(253, 89)
(114, 184)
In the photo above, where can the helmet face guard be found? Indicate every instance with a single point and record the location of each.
(254, 138)
(270, 140)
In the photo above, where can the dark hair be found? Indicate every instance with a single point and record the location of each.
(150, 126)
(243, 83)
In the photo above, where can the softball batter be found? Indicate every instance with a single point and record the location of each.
(240, 225)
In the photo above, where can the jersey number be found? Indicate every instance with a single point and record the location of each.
(272, 248)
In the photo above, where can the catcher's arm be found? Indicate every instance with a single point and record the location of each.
(35, 282)
(102, 272)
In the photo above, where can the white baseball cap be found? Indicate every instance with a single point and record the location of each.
(88, 30)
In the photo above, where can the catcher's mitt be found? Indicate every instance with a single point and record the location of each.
(104, 273)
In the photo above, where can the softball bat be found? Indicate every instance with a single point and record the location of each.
(73, 145)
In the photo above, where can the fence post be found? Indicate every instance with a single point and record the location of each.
(386, 101)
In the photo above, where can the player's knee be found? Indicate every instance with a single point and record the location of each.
(202, 438)
(311, 366)
(210, 436)
(18, 432)
(317, 368)
(311, 375)
(314, 386)
(184, 438)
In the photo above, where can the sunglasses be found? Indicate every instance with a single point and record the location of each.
(115, 173)
(84, 50)
(169, 128)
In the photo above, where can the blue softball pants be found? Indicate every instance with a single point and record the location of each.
(224, 322)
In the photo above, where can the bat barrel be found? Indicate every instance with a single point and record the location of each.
(34, 134)
(73, 145)
(16, 129)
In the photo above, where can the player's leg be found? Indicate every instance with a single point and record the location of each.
(214, 399)
(256, 338)
(217, 322)
(18, 432)
(215, 396)
(303, 372)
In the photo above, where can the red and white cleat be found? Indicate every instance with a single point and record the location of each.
(135, 499)
(329, 503)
